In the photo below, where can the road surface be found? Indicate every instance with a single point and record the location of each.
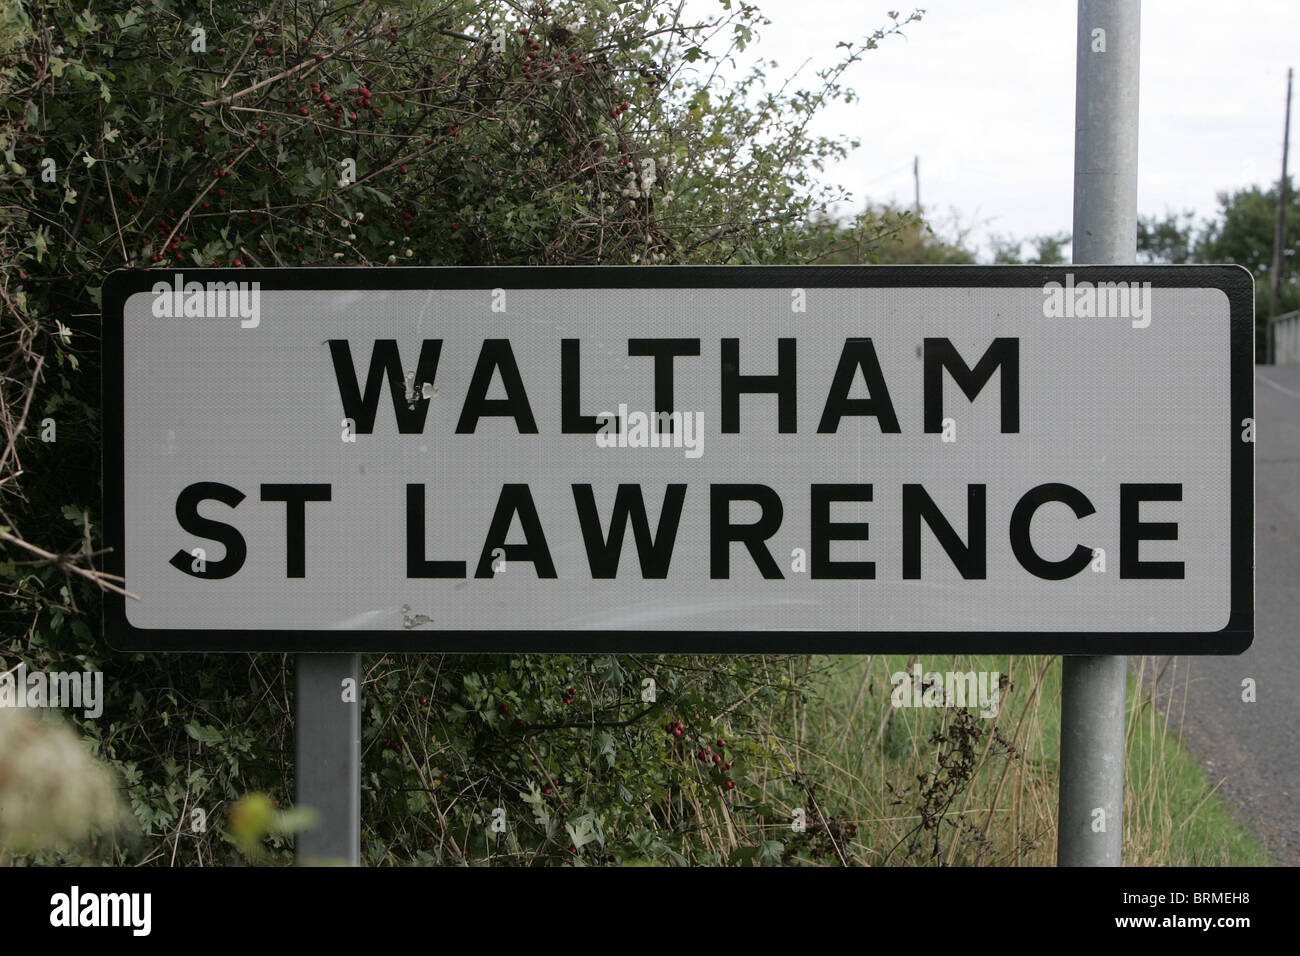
(1257, 746)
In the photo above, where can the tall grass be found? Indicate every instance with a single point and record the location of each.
(885, 785)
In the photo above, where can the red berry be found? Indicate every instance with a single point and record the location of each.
(350, 33)
(239, 262)
(319, 57)
(365, 91)
(404, 173)
(731, 785)
(677, 733)
(324, 97)
(221, 53)
(375, 112)
(717, 760)
(352, 115)
(423, 700)
(573, 58)
(625, 106)
(302, 110)
(721, 744)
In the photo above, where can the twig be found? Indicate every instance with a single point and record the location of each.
(101, 578)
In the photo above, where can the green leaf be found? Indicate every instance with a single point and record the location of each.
(206, 735)
(769, 853)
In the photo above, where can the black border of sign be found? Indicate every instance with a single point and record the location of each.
(1234, 281)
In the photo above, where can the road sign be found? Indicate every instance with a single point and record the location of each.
(685, 459)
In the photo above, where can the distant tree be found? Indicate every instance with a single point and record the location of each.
(1047, 249)
(1167, 241)
(881, 235)
(1243, 234)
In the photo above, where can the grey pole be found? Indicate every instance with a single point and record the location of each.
(327, 745)
(1279, 235)
(1093, 689)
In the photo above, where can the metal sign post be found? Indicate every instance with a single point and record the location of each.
(1090, 817)
(327, 749)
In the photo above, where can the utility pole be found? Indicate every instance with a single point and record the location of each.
(916, 179)
(1090, 818)
(1279, 237)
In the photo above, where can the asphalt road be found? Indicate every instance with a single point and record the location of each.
(1255, 747)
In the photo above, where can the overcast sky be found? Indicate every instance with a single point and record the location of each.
(983, 92)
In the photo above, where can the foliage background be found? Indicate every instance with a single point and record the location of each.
(482, 133)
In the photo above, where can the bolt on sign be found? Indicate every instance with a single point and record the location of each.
(681, 459)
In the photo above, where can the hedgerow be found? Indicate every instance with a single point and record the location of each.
(162, 135)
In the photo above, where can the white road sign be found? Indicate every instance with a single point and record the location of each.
(1037, 460)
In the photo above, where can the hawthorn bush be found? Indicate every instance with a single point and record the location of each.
(419, 132)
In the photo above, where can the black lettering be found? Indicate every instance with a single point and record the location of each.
(1133, 531)
(496, 355)
(970, 559)
(858, 354)
(664, 351)
(722, 532)
(941, 354)
(824, 531)
(187, 514)
(782, 384)
(516, 500)
(654, 553)
(295, 498)
(1022, 516)
(384, 360)
(572, 421)
(417, 566)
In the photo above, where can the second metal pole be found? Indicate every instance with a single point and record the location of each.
(1090, 824)
(327, 744)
